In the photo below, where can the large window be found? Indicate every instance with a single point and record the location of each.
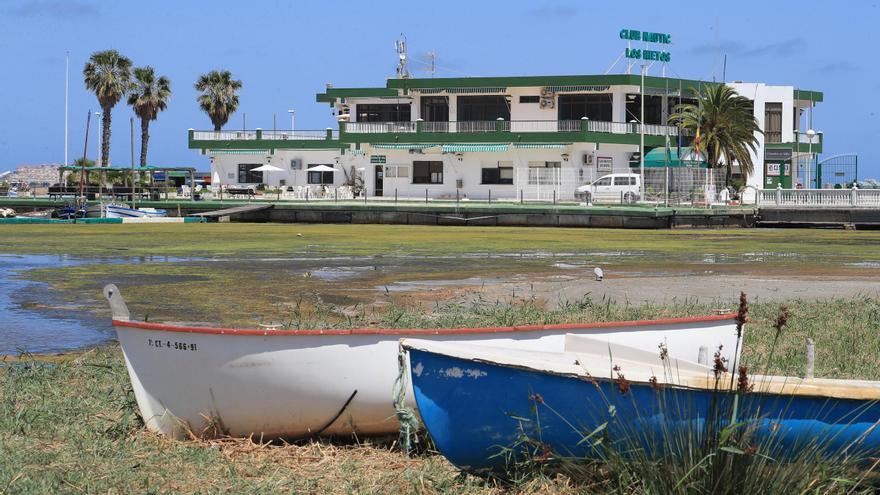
(653, 108)
(317, 177)
(246, 174)
(427, 173)
(435, 109)
(773, 122)
(593, 107)
(383, 112)
(476, 108)
(498, 174)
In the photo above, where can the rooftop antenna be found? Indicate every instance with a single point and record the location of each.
(724, 70)
(400, 46)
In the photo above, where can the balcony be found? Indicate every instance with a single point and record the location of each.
(801, 144)
(505, 131)
(259, 140)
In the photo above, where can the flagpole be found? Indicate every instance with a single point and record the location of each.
(642, 140)
(66, 99)
(666, 155)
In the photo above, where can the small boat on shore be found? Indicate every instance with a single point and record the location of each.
(300, 383)
(115, 210)
(486, 407)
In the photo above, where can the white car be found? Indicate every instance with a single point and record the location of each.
(613, 188)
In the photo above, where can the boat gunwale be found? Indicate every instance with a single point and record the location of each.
(419, 331)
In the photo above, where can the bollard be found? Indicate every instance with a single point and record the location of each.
(811, 358)
(778, 194)
(336, 195)
(554, 196)
(703, 356)
(520, 196)
(490, 196)
(456, 198)
(426, 195)
(395, 195)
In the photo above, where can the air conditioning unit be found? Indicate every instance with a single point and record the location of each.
(546, 91)
(296, 164)
(588, 159)
(547, 102)
(459, 183)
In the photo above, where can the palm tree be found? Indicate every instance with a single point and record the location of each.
(148, 97)
(219, 98)
(108, 74)
(727, 128)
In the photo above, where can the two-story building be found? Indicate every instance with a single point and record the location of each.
(531, 137)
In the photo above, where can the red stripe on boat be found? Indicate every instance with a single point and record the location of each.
(420, 331)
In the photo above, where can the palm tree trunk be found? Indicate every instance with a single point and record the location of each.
(105, 138)
(145, 139)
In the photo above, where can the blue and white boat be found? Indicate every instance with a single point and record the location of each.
(116, 210)
(486, 407)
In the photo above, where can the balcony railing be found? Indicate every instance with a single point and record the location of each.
(802, 137)
(257, 134)
(509, 126)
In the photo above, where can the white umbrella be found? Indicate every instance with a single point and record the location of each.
(215, 181)
(322, 168)
(267, 168)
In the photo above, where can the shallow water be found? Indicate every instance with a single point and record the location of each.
(30, 321)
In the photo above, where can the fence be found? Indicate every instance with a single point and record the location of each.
(691, 186)
(819, 198)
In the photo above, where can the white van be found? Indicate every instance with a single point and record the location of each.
(613, 188)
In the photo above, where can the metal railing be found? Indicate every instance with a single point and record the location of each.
(803, 137)
(380, 127)
(819, 198)
(294, 135)
(224, 135)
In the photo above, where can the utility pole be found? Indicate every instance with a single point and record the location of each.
(66, 100)
(133, 183)
(642, 140)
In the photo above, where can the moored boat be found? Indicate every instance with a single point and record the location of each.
(488, 407)
(114, 210)
(296, 383)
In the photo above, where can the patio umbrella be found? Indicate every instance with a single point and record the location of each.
(267, 168)
(322, 168)
(215, 181)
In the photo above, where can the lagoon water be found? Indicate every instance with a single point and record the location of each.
(30, 321)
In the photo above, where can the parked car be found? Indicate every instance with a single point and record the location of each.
(610, 188)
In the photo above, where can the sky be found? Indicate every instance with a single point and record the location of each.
(286, 51)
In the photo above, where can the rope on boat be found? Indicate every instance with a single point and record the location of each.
(333, 420)
(409, 422)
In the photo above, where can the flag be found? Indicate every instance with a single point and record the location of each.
(668, 150)
(697, 142)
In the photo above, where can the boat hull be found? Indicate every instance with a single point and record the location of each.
(291, 384)
(120, 211)
(491, 415)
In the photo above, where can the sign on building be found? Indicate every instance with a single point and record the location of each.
(604, 164)
(377, 159)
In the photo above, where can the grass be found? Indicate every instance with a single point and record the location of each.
(792, 246)
(70, 424)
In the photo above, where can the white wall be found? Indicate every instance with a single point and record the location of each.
(227, 166)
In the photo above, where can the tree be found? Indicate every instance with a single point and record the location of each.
(727, 128)
(219, 98)
(148, 97)
(108, 74)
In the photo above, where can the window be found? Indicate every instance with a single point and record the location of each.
(393, 171)
(427, 173)
(593, 107)
(435, 109)
(529, 99)
(653, 108)
(773, 122)
(246, 174)
(622, 181)
(383, 112)
(476, 108)
(318, 177)
(605, 181)
(499, 174)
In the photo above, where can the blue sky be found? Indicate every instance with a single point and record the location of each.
(285, 52)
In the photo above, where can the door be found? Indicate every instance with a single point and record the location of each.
(379, 180)
(776, 174)
(603, 189)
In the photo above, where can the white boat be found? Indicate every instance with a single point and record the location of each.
(115, 210)
(298, 383)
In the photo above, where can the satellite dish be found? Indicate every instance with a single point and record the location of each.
(599, 274)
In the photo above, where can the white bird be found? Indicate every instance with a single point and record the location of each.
(599, 274)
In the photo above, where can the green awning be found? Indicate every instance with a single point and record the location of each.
(470, 148)
(239, 152)
(541, 146)
(659, 158)
(402, 146)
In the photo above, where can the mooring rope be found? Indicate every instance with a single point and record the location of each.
(409, 422)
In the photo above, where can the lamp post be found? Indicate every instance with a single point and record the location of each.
(642, 140)
(291, 112)
(98, 155)
(810, 135)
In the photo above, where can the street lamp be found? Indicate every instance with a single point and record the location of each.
(810, 135)
(98, 124)
(291, 112)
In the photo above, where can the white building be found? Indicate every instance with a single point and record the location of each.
(530, 137)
